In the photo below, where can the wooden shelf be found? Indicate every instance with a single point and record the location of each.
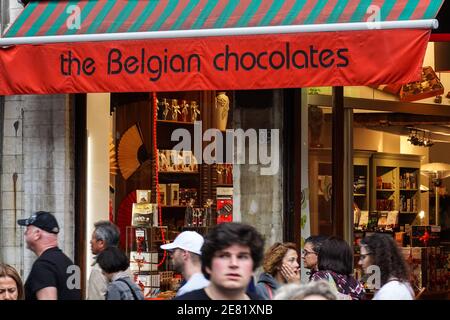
(177, 172)
(224, 185)
(359, 194)
(386, 190)
(412, 190)
(408, 212)
(167, 207)
(174, 122)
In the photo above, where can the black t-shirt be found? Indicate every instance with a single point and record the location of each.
(53, 269)
(200, 294)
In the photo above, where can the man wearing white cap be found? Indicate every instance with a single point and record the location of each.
(185, 252)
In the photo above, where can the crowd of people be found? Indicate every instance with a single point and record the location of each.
(219, 266)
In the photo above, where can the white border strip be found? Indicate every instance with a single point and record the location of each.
(355, 26)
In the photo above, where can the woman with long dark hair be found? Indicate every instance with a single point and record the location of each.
(336, 266)
(381, 257)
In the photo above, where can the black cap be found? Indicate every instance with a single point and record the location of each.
(43, 220)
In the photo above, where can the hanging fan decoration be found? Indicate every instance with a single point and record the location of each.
(113, 167)
(132, 152)
(124, 216)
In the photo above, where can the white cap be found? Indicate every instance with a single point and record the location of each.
(188, 240)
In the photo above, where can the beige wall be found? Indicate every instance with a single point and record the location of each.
(98, 125)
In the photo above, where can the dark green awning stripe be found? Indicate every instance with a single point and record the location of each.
(298, 6)
(42, 18)
(315, 11)
(249, 13)
(21, 19)
(204, 14)
(409, 9)
(167, 12)
(101, 16)
(223, 19)
(433, 9)
(123, 15)
(386, 9)
(337, 11)
(361, 10)
(273, 11)
(185, 14)
(143, 16)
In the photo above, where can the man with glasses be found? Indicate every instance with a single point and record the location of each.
(185, 253)
(310, 253)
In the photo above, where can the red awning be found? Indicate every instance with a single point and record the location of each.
(348, 58)
(251, 61)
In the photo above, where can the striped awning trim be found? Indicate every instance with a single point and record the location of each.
(70, 17)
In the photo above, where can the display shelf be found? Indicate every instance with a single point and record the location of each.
(411, 190)
(386, 190)
(179, 172)
(168, 207)
(359, 194)
(408, 212)
(175, 122)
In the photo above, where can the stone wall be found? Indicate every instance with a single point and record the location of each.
(37, 148)
(258, 199)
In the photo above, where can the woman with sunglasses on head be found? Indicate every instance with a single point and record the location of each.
(280, 267)
(336, 267)
(381, 257)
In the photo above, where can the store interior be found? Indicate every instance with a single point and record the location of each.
(401, 170)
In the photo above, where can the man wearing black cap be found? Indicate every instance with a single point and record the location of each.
(49, 276)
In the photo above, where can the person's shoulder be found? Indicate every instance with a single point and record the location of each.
(199, 294)
(320, 275)
(254, 295)
(53, 254)
(394, 290)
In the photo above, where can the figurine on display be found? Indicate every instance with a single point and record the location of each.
(157, 107)
(166, 109)
(189, 213)
(175, 110)
(207, 219)
(163, 162)
(184, 111)
(195, 112)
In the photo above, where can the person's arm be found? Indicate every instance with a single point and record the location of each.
(97, 285)
(48, 293)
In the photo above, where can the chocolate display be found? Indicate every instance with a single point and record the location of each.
(429, 86)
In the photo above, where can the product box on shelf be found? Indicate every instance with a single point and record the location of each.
(173, 194)
(142, 262)
(142, 215)
(224, 205)
(425, 236)
(364, 219)
(143, 196)
(163, 194)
